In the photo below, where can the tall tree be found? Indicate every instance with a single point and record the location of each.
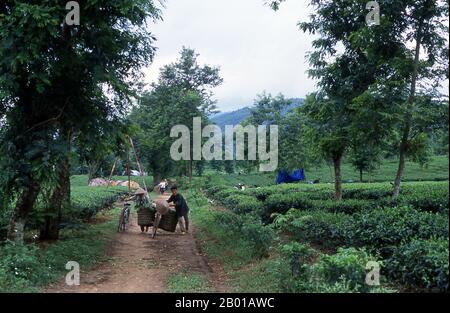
(427, 29)
(183, 91)
(56, 79)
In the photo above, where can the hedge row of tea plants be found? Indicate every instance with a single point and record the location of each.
(304, 269)
(413, 243)
(87, 201)
(430, 196)
(415, 224)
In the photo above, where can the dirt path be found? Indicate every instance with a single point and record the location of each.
(141, 264)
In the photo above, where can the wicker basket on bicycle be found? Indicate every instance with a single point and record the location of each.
(146, 216)
(169, 221)
(169, 218)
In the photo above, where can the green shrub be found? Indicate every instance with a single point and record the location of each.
(225, 193)
(422, 263)
(349, 264)
(349, 206)
(315, 226)
(211, 190)
(247, 226)
(294, 265)
(381, 229)
(386, 227)
(432, 201)
(26, 268)
(342, 272)
(87, 201)
(281, 203)
(22, 268)
(242, 204)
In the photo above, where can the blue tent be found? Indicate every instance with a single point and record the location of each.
(285, 177)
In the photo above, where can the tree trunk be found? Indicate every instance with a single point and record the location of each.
(59, 200)
(128, 172)
(401, 162)
(92, 168)
(337, 159)
(408, 119)
(156, 178)
(360, 175)
(190, 172)
(331, 171)
(24, 206)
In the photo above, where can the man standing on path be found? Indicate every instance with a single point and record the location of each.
(181, 207)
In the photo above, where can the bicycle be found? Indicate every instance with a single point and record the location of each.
(124, 218)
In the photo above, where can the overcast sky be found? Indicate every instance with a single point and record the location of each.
(256, 48)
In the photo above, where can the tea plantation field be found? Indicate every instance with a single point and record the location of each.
(307, 242)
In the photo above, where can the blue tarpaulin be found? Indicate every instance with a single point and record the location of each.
(296, 176)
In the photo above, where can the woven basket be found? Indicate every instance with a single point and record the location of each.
(146, 217)
(169, 221)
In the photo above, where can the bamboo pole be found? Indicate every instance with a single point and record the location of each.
(128, 171)
(112, 172)
(140, 167)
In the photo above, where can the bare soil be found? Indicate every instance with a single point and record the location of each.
(139, 264)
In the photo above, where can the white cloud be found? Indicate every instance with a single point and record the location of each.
(257, 49)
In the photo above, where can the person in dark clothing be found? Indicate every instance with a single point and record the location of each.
(181, 207)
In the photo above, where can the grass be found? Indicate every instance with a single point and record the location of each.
(188, 282)
(29, 268)
(236, 253)
(436, 169)
(256, 180)
(258, 277)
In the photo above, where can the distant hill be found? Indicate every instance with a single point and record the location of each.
(238, 116)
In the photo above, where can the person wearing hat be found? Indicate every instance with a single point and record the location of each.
(144, 210)
(181, 207)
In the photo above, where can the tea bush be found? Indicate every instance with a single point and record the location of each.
(386, 227)
(249, 227)
(242, 204)
(319, 227)
(87, 201)
(349, 264)
(381, 229)
(342, 272)
(295, 264)
(368, 218)
(422, 263)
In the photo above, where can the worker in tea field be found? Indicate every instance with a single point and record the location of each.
(145, 211)
(181, 207)
(163, 186)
